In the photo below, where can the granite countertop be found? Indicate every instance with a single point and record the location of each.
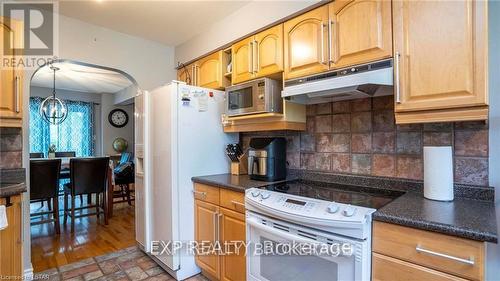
(463, 217)
(12, 182)
(467, 218)
(11, 189)
(237, 183)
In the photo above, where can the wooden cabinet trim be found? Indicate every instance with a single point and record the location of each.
(400, 242)
(206, 193)
(386, 268)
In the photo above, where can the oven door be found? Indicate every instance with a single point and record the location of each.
(244, 99)
(292, 267)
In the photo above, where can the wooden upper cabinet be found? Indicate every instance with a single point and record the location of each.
(441, 59)
(186, 74)
(11, 78)
(242, 60)
(269, 47)
(210, 71)
(306, 43)
(360, 32)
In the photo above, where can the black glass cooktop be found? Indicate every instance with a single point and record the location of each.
(347, 194)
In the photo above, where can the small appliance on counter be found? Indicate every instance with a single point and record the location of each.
(238, 159)
(438, 173)
(267, 159)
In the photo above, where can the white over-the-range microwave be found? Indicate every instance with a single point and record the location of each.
(257, 96)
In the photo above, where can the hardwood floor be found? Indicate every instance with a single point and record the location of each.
(91, 238)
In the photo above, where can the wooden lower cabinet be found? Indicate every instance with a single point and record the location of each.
(406, 253)
(220, 220)
(232, 228)
(11, 244)
(387, 269)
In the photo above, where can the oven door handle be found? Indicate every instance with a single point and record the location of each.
(252, 222)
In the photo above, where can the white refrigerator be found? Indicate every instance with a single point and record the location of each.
(183, 138)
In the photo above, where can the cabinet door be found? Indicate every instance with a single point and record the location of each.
(387, 269)
(243, 53)
(232, 228)
(442, 51)
(11, 78)
(11, 240)
(187, 74)
(269, 45)
(360, 32)
(306, 43)
(206, 229)
(210, 71)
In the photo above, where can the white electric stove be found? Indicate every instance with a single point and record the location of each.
(292, 213)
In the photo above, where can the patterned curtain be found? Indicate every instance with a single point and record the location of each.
(76, 133)
(39, 129)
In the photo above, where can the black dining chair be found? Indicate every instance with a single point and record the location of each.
(36, 155)
(62, 154)
(44, 185)
(87, 176)
(124, 176)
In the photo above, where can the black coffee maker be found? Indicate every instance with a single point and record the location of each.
(267, 159)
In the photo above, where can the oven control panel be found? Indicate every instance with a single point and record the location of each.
(307, 207)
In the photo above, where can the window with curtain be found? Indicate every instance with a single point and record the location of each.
(76, 133)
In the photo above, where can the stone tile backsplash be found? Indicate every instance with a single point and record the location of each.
(11, 146)
(361, 137)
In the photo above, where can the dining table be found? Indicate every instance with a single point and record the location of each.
(64, 174)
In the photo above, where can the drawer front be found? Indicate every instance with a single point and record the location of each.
(386, 268)
(206, 193)
(232, 200)
(453, 255)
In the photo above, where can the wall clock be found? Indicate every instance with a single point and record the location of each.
(118, 118)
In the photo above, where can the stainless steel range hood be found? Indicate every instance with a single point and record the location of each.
(367, 80)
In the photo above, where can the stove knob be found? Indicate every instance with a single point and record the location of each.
(349, 211)
(332, 208)
(255, 193)
(265, 195)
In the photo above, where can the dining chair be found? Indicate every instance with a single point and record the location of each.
(36, 155)
(61, 154)
(44, 185)
(123, 177)
(87, 176)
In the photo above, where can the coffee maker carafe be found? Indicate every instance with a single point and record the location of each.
(267, 159)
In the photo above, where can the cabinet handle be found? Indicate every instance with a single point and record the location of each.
(216, 227)
(256, 46)
(16, 93)
(323, 43)
(250, 57)
(398, 90)
(330, 39)
(203, 195)
(432, 253)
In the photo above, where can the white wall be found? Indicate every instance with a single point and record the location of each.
(247, 19)
(493, 250)
(110, 133)
(149, 63)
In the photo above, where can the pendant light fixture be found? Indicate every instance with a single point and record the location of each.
(52, 109)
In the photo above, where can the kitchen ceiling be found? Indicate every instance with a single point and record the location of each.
(81, 78)
(167, 22)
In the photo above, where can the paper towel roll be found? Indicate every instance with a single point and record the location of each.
(438, 173)
(3, 217)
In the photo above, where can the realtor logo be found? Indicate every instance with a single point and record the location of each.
(38, 29)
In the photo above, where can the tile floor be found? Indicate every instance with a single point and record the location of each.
(128, 264)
